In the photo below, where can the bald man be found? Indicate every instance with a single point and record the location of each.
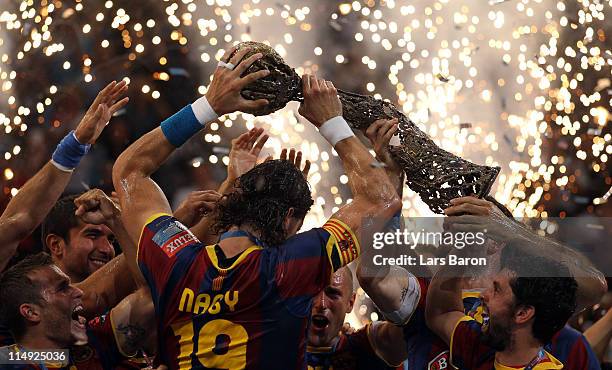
(375, 346)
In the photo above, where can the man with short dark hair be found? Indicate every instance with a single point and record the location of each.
(34, 200)
(78, 248)
(531, 299)
(43, 311)
(28, 208)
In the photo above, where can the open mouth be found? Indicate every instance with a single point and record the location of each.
(319, 322)
(99, 261)
(77, 319)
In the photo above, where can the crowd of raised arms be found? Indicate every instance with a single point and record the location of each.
(227, 281)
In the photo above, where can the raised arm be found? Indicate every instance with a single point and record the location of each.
(35, 199)
(114, 281)
(599, 335)
(374, 195)
(476, 215)
(139, 195)
(444, 307)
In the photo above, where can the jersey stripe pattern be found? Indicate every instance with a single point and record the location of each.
(250, 315)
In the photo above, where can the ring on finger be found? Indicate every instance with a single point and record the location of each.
(228, 65)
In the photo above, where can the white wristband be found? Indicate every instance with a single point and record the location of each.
(408, 303)
(60, 167)
(203, 111)
(335, 129)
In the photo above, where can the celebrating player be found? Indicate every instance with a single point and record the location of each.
(30, 206)
(530, 300)
(44, 312)
(373, 347)
(245, 302)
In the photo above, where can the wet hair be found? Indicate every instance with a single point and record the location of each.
(262, 198)
(544, 284)
(60, 219)
(17, 288)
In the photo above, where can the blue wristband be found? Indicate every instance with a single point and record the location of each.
(69, 152)
(181, 126)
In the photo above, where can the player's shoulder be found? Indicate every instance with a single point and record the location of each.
(300, 241)
(167, 233)
(569, 339)
(567, 333)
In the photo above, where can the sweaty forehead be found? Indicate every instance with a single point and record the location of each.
(342, 279)
(82, 228)
(48, 276)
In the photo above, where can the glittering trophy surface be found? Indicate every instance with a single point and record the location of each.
(435, 174)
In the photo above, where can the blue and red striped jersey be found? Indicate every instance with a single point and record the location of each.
(250, 315)
(468, 351)
(430, 352)
(573, 350)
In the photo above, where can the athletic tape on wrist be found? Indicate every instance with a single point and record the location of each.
(203, 111)
(409, 301)
(182, 125)
(69, 152)
(335, 130)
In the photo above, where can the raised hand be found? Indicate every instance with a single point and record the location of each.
(321, 101)
(101, 111)
(245, 151)
(296, 159)
(223, 93)
(471, 214)
(379, 133)
(95, 207)
(197, 205)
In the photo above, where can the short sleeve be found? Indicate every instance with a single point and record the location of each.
(581, 356)
(466, 348)
(571, 348)
(307, 260)
(162, 242)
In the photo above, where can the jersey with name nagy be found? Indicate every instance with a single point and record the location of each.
(252, 314)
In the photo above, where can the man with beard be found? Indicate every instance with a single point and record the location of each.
(530, 300)
(386, 285)
(373, 347)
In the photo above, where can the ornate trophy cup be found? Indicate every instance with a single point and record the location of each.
(435, 174)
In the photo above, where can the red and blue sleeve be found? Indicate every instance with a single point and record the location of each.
(466, 347)
(571, 348)
(307, 260)
(161, 244)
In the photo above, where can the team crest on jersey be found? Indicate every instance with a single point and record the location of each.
(440, 362)
(172, 238)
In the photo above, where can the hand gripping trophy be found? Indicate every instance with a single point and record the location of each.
(435, 174)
